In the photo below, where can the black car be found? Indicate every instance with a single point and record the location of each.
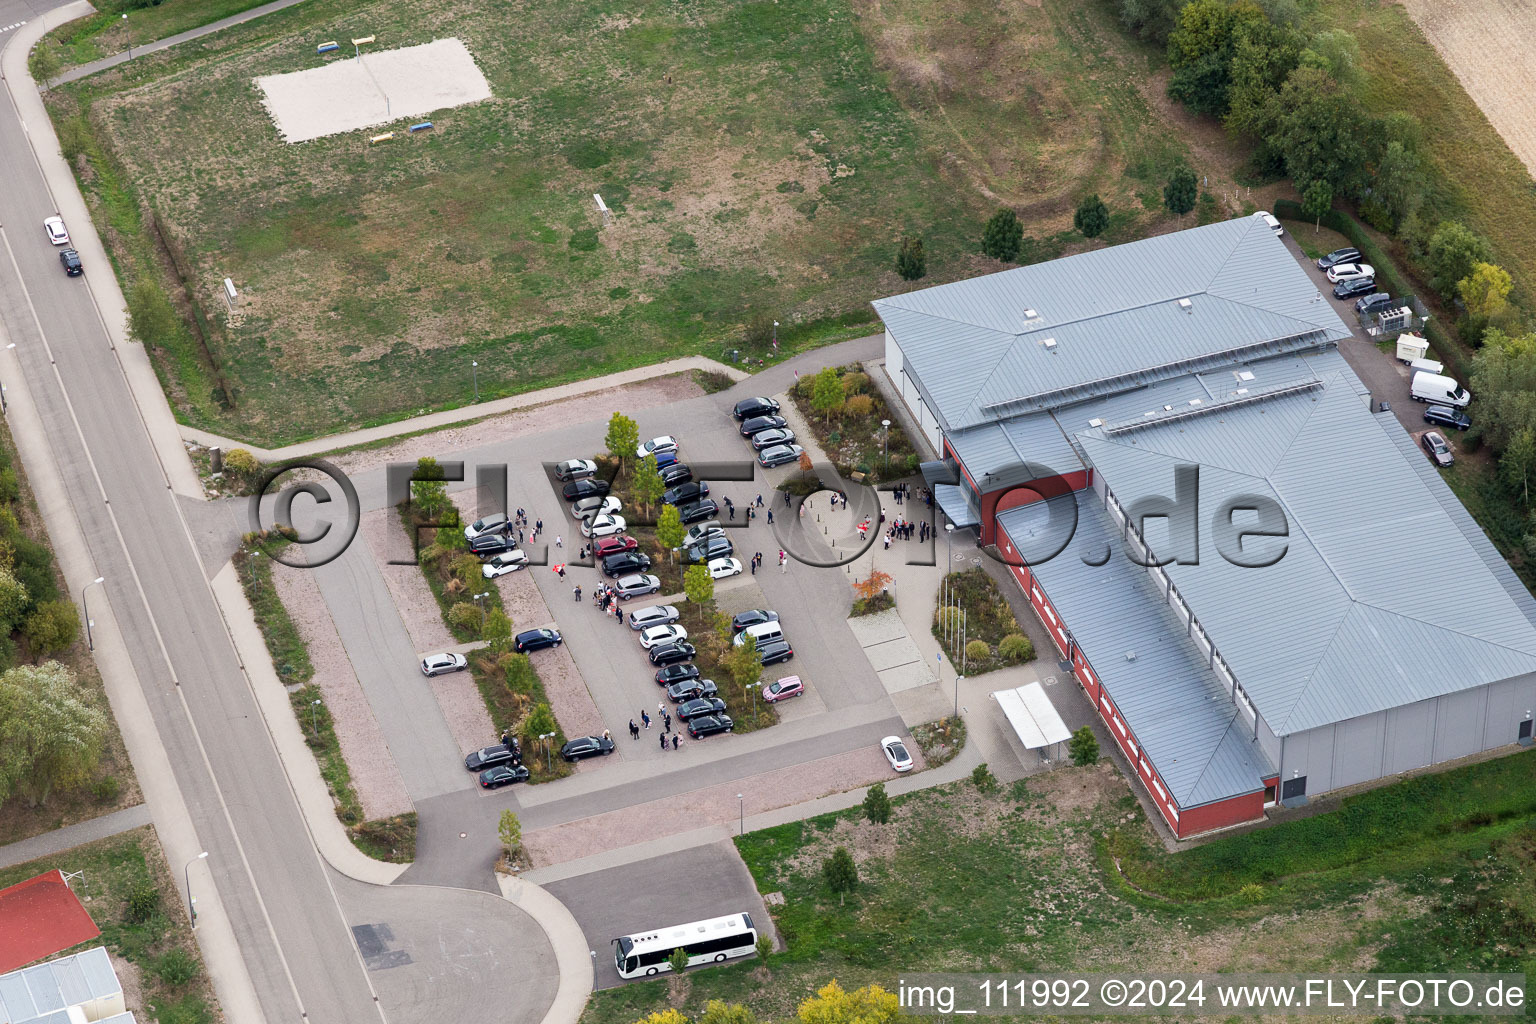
(1354, 286)
(757, 424)
(1374, 303)
(624, 563)
(709, 725)
(691, 689)
(586, 746)
(503, 774)
(71, 261)
(488, 545)
(698, 511)
(699, 707)
(536, 639)
(1445, 416)
(673, 674)
(776, 651)
(750, 407)
(588, 488)
(682, 494)
(1338, 256)
(675, 474)
(752, 617)
(666, 654)
(490, 757)
(710, 548)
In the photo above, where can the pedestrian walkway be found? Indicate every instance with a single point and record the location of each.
(71, 836)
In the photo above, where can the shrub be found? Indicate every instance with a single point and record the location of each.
(241, 462)
(510, 830)
(860, 405)
(1084, 747)
(1015, 649)
(855, 383)
(841, 873)
(175, 967)
(1003, 236)
(678, 960)
(143, 902)
(877, 805)
(105, 789)
(1019, 791)
(497, 629)
(983, 779)
(466, 569)
(977, 651)
(52, 626)
(911, 262)
(464, 617)
(764, 945)
(1091, 217)
(1252, 892)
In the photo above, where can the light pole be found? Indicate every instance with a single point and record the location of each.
(549, 760)
(255, 554)
(187, 873)
(775, 335)
(130, 56)
(741, 810)
(754, 688)
(3, 407)
(474, 368)
(885, 442)
(958, 677)
(478, 598)
(314, 726)
(90, 641)
(949, 546)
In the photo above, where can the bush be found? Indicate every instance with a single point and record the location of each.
(764, 945)
(143, 902)
(911, 262)
(52, 626)
(466, 569)
(678, 960)
(841, 873)
(510, 830)
(105, 789)
(1084, 747)
(175, 968)
(860, 406)
(983, 779)
(977, 651)
(877, 805)
(1019, 791)
(1015, 649)
(1091, 217)
(464, 617)
(855, 383)
(1003, 236)
(241, 462)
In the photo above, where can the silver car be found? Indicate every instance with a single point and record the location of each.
(437, 664)
(590, 508)
(637, 585)
(575, 469)
(655, 615)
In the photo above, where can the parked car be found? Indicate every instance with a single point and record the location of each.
(439, 664)
(896, 752)
(1445, 416)
(716, 545)
(666, 654)
(603, 526)
(758, 424)
(1270, 222)
(775, 651)
(779, 455)
(575, 469)
(698, 511)
(586, 746)
(54, 228)
(772, 438)
(699, 707)
(698, 728)
(495, 523)
(677, 473)
(691, 689)
(724, 568)
(655, 636)
(656, 446)
(488, 545)
(638, 585)
(536, 640)
(1375, 302)
(588, 488)
(507, 561)
(1350, 271)
(625, 563)
(655, 615)
(683, 494)
(1358, 286)
(605, 546)
(591, 508)
(1349, 254)
(489, 757)
(71, 263)
(1439, 451)
(783, 689)
(503, 774)
(699, 532)
(752, 617)
(674, 674)
(750, 407)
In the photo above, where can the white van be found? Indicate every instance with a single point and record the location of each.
(763, 633)
(1432, 387)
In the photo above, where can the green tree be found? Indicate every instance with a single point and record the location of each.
(45, 64)
(1201, 48)
(1151, 20)
(1263, 56)
(678, 960)
(540, 721)
(497, 629)
(983, 779)
(511, 832)
(670, 531)
(743, 663)
(1316, 200)
(1454, 249)
(152, 320)
(429, 491)
(831, 1005)
(52, 626)
(699, 587)
(1518, 463)
(1181, 191)
(1337, 52)
(1084, 747)
(911, 263)
(1319, 131)
(1399, 184)
(877, 805)
(826, 393)
(1504, 380)
(623, 438)
(649, 485)
(1485, 291)
(51, 734)
(1092, 216)
(14, 600)
(764, 945)
(1003, 236)
(839, 870)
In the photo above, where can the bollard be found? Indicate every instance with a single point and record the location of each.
(216, 459)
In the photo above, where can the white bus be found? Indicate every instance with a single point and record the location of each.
(713, 941)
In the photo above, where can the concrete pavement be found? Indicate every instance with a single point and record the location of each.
(61, 839)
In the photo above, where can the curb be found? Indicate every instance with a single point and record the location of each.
(573, 958)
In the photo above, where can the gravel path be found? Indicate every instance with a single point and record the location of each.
(567, 691)
(377, 782)
(413, 598)
(464, 709)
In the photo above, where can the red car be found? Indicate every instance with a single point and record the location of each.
(613, 545)
(783, 689)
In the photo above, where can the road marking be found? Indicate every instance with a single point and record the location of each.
(10, 27)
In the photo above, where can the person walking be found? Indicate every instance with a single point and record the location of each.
(754, 566)
(730, 510)
(661, 709)
(759, 502)
(634, 730)
(577, 591)
(645, 718)
(770, 517)
(674, 741)
(663, 739)
(665, 717)
(620, 616)
(520, 540)
(786, 499)
(561, 570)
(558, 542)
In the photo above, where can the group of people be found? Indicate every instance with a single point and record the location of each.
(666, 736)
(605, 598)
(905, 529)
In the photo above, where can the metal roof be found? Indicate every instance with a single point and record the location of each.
(49, 988)
(1105, 320)
(995, 453)
(1340, 626)
(1178, 711)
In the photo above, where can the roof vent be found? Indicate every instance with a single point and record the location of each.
(1194, 401)
(1167, 408)
(1245, 375)
(1095, 423)
(1186, 305)
(1030, 316)
(1049, 343)
(1130, 655)
(1241, 391)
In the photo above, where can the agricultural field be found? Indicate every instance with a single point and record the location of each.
(762, 161)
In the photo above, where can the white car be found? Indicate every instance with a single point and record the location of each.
(654, 635)
(575, 469)
(56, 232)
(655, 615)
(656, 445)
(721, 568)
(438, 664)
(1351, 272)
(590, 508)
(507, 561)
(896, 752)
(1270, 222)
(497, 522)
(702, 531)
(603, 526)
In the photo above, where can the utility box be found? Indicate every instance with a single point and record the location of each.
(1411, 347)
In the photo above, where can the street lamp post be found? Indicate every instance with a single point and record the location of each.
(130, 56)
(474, 368)
(775, 335)
(479, 599)
(3, 407)
(90, 640)
(741, 810)
(314, 726)
(187, 873)
(949, 546)
(549, 759)
(885, 442)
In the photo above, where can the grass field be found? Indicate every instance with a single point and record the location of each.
(107, 32)
(762, 159)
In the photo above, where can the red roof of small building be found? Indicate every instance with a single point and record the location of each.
(40, 917)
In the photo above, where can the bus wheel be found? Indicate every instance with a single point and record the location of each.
(719, 958)
(650, 972)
